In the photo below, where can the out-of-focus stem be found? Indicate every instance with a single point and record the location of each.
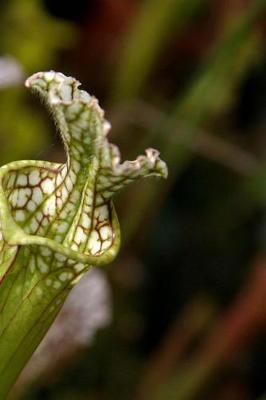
(156, 20)
(206, 98)
(187, 327)
(235, 330)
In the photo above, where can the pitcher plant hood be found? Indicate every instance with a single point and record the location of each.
(57, 220)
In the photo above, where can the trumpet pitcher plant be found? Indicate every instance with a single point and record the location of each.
(58, 220)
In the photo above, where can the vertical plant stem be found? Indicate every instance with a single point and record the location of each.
(206, 97)
(155, 22)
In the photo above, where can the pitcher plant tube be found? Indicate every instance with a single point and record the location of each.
(58, 220)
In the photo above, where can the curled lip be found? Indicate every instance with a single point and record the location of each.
(94, 163)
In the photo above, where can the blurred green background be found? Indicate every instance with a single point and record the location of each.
(187, 296)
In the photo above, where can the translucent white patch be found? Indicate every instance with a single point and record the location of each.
(95, 247)
(94, 244)
(75, 196)
(73, 109)
(102, 213)
(47, 186)
(20, 215)
(74, 246)
(37, 195)
(84, 95)
(85, 221)
(13, 197)
(39, 216)
(106, 127)
(80, 236)
(83, 124)
(58, 179)
(69, 207)
(105, 232)
(99, 200)
(85, 114)
(72, 176)
(60, 257)
(22, 180)
(79, 267)
(59, 202)
(31, 206)
(62, 227)
(66, 92)
(65, 276)
(64, 193)
(45, 251)
(69, 184)
(116, 188)
(50, 206)
(76, 166)
(11, 180)
(75, 132)
(49, 76)
(63, 214)
(70, 275)
(34, 225)
(89, 199)
(59, 77)
(45, 221)
(57, 285)
(106, 244)
(34, 178)
(103, 180)
(43, 267)
(63, 172)
(86, 208)
(23, 196)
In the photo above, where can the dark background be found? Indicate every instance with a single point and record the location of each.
(188, 290)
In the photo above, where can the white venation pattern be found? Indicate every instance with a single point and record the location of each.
(71, 203)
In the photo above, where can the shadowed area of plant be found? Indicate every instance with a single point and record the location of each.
(58, 219)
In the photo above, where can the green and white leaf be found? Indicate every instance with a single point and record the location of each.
(57, 220)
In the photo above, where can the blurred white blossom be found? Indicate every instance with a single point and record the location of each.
(11, 72)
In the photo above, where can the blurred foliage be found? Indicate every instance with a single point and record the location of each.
(33, 38)
(209, 95)
(154, 24)
(189, 78)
